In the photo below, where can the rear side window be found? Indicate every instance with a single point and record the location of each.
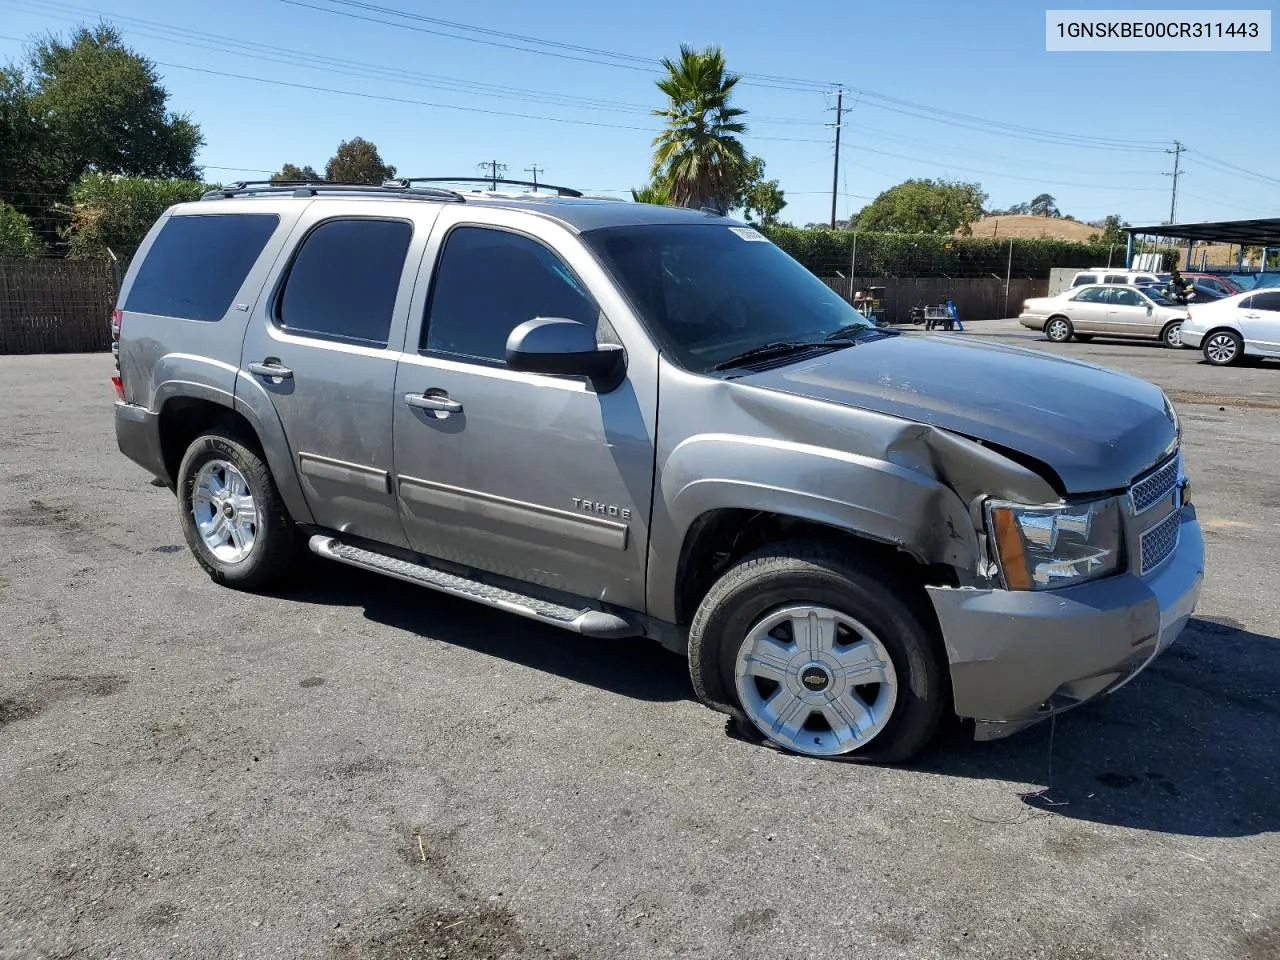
(1116, 278)
(343, 282)
(1084, 278)
(488, 282)
(1266, 301)
(1245, 304)
(1091, 295)
(197, 264)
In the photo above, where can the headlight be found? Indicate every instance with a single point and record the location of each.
(1040, 548)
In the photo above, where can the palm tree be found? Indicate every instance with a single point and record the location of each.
(698, 157)
(652, 193)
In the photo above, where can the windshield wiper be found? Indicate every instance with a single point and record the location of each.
(852, 332)
(777, 348)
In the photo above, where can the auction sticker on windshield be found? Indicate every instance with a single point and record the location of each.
(747, 233)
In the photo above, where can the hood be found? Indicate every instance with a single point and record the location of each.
(1095, 428)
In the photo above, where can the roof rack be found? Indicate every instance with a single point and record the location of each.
(313, 188)
(493, 181)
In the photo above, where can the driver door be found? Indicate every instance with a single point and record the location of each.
(530, 476)
(1130, 314)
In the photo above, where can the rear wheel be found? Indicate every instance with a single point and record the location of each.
(820, 654)
(232, 515)
(1222, 348)
(1172, 335)
(1058, 329)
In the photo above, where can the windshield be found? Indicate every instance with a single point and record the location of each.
(1154, 294)
(709, 292)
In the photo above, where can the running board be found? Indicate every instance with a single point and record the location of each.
(585, 621)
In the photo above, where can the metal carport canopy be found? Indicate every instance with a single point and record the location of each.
(1248, 233)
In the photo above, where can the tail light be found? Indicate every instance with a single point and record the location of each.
(117, 322)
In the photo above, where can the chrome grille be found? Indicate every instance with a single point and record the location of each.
(1154, 487)
(1159, 541)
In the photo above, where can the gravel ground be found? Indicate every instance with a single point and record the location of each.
(366, 770)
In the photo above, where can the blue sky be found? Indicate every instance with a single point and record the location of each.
(586, 123)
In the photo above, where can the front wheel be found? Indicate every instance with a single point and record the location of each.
(1222, 348)
(1172, 335)
(820, 654)
(1058, 329)
(232, 515)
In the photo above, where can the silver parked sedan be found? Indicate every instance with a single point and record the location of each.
(1106, 310)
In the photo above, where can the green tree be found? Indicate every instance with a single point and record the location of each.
(17, 239)
(116, 212)
(1112, 231)
(104, 110)
(759, 199)
(924, 206)
(358, 161)
(1044, 205)
(291, 172)
(656, 193)
(698, 154)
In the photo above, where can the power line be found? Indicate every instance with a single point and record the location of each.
(298, 58)
(620, 60)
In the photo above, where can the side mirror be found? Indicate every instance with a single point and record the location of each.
(560, 347)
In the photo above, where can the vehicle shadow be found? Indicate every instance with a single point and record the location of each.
(1191, 746)
(639, 669)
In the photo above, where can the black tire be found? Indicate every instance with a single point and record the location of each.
(1171, 335)
(1059, 329)
(277, 543)
(1084, 337)
(1222, 348)
(894, 609)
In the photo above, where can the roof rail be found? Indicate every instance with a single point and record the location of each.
(493, 181)
(313, 188)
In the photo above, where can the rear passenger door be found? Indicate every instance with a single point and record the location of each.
(1088, 310)
(320, 353)
(1260, 321)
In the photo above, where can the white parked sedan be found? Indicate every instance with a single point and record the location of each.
(1106, 310)
(1226, 330)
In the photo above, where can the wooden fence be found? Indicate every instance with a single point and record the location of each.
(977, 298)
(56, 306)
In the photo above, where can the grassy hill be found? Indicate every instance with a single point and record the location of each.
(1030, 228)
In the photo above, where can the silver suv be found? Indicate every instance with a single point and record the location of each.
(636, 421)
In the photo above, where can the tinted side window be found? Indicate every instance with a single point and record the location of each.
(198, 263)
(1084, 278)
(488, 282)
(1116, 278)
(1245, 304)
(1266, 301)
(1091, 295)
(343, 282)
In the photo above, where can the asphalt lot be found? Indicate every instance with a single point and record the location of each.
(362, 769)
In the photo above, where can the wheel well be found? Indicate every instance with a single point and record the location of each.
(1223, 329)
(182, 419)
(720, 538)
(1058, 316)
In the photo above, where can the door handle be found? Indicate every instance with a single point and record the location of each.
(424, 401)
(1251, 316)
(271, 367)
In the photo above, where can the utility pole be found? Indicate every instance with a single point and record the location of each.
(835, 173)
(495, 170)
(1177, 150)
(534, 170)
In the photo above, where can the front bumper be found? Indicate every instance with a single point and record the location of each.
(138, 437)
(1020, 657)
